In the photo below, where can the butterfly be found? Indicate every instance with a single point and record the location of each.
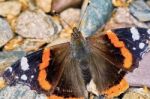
(93, 65)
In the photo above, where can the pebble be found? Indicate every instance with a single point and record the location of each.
(36, 25)
(27, 45)
(45, 5)
(140, 75)
(96, 15)
(5, 32)
(69, 22)
(122, 18)
(121, 3)
(20, 92)
(10, 8)
(7, 58)
(70, 16)
(31, 45)
(60, 5)
(140, 10)
(14, 43)
(137, 93)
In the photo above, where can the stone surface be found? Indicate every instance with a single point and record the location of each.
(20, 92)
(36, 25)
(141, 75)
(31, 45)
(70, 16)
(10, 8)
(60, 5)
(140, 10)
(123, 18)
(5, 32)
(137, 93)
(14, 43)
(69, 22)
(45, 5)
(7, 58)
(97, 13)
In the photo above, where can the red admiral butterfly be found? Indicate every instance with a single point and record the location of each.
(96, 64)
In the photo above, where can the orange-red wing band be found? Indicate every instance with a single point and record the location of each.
(59, 97)
(127, 63)
(45, 59)
(42, 73)
(117, 89)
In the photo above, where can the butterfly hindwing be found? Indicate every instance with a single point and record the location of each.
(110, 53)
(53, 72)
(24, 71)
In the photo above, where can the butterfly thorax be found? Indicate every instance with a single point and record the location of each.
(78, 44)
(80, 52)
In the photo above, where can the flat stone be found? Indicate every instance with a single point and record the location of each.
(136, 93)
(140, 10)
(45, 5)
(36, 25)
(96, 15)
(141, 75)
(13, 43)
(10, 8)
(20, 92)
(122, 18)
(5, 32)
(31, 45)
(7, 58)
(60, 5)
(70, 16)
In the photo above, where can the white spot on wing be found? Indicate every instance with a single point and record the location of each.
(148, 31)
(32, 76)
(91, 87)
(10, 69)
(24, 64)
(135, 34)
(134, 48)
(141, 45)
(23, 77)
(16, 77)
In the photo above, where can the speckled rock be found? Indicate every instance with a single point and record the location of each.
(31, 45)
(69, 22)
(140, 10)
(70, 16)
(137, 93)
(7, 58)
(5, 32)
(28, 4)
(2, 0)
(123, 18)
(10, 8)
(27, 45)
(14, 43)
(20, 92)
(36, 25)
(45, 5)
(98, 12)
(140, 76)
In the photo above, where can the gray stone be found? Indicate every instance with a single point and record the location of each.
(140, 10)
(36, 25)
(5, 32)
(10, 8)
(97, 13)
(20, 92)
(141, 75)
(8, 58)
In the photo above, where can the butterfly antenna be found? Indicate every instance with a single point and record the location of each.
(55, 13)
(80, 21)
